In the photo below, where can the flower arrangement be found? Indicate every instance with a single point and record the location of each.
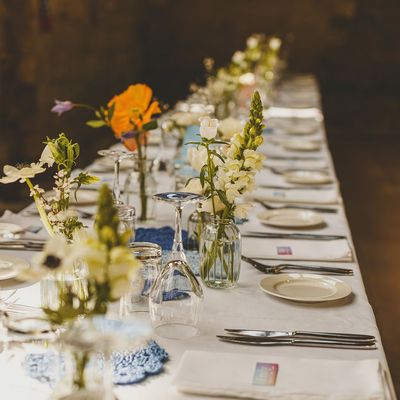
(110, 266)
(130, 115)
(54, 210)
(228, 174)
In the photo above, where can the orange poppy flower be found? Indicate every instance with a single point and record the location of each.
(132, 109)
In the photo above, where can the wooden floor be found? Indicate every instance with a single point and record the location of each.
(364, 137)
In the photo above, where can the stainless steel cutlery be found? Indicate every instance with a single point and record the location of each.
(305, 187)
(299, 338)
(300, 236)
(22, 244)
(296, 207)
(276, 269)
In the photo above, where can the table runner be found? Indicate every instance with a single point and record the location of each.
(248, 307)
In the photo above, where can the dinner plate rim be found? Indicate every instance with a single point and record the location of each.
(346, 289)
(318, 216)
(18, 263)
(325, 177)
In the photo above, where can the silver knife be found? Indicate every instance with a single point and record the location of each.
(303, 236)
(291, 334)
(296, 187)
(337, 344)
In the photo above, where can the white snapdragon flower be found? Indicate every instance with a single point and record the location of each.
(241, 210)
(208, 127)
(275, 43)
(197, 157)
(13, 174)
(238, 57)
(194, 186)
(185, 118)
(253, 159)
(47, 157)
(207, 205)
(252, 42)
(229, 126)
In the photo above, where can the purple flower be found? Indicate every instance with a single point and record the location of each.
(62, 106)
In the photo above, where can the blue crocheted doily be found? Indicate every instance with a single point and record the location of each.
(128, 367)
(162, 236)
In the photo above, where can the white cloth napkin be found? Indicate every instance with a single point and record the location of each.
(246, 376)
(309, 196)
(294, 249)
(15, 384)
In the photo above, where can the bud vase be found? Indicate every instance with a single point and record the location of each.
(220, 253)
(140, 186)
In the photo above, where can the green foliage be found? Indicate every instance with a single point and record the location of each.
(64, 152)
(96, 123)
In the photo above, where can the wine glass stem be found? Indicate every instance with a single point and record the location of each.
(177, 248)
(116, 189)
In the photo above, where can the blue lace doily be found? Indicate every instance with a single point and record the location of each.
(162, 236)
(128, 367)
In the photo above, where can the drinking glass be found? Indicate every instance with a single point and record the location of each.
(117, 156)
(176, 298)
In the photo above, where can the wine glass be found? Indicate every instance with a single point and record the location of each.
(176, 298)
(117, 156)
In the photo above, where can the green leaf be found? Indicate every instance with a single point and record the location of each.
(150, 125)
(96, 123)
(111, 112)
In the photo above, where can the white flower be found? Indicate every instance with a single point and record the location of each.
(253, 159)
(119, 287)
(252, 42)
(208, 127)
(242, 209)
(197, 157)
(47, 157)
(275, 43)
(229, 126)
(185, 118)
(238, 57)
(247, 79)
(13, 174)
(56, 256)
(194, 186)
(207, 205)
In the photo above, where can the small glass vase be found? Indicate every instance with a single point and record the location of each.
(220, 253)
(139, 188)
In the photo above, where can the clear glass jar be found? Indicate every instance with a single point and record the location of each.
(220, 253)
(127, 219)
(139, 188)
(138, 298)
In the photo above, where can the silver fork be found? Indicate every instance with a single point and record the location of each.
(276, 269)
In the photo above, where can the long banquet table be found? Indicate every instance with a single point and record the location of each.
(249, 307)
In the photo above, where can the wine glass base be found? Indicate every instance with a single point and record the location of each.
(176, 331)
(220, 284)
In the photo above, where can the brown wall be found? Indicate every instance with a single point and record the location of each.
(87, 50)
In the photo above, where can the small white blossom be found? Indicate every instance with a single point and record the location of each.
(208, 127)
(13, 174)
(47, 157)
(238, 57)
(229, 126)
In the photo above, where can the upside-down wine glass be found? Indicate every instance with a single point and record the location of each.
(117, 156)
(176, 298)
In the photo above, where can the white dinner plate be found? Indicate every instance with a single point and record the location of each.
(305, 287)
(7, 229)
(84, 197)
(105, 164)
(302, 145)
(307, 177)
(10, 266)
(290, 218)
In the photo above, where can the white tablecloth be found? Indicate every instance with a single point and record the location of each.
(248, 307)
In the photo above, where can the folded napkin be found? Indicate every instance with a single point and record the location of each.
(295, 249)
(276, 378)
(309, 196)
(295, 164)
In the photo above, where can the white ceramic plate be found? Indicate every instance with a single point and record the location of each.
(84, 197)
(10, 266)
(290, 218)
(302, 145)
(6, 228)
(305, 287)
(307, 177)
